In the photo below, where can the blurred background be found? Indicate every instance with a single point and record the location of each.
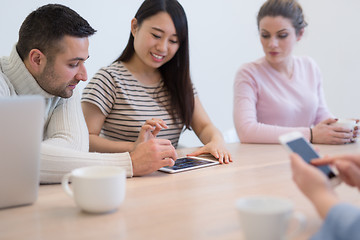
(223, 35)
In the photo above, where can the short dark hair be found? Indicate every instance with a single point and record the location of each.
(176, 72)
(46, 26)
(289, 9)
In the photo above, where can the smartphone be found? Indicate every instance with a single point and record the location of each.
(295, 142)
(188, 163)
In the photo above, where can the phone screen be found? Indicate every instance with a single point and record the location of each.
(301, 147)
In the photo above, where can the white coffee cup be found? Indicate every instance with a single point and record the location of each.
(96, 189)
(265, 217)
(345, 123)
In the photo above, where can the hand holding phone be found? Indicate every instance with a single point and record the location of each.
(295, 142)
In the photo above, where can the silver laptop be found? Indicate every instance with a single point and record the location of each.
(21, 127)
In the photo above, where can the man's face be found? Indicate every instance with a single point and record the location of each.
(62, 73)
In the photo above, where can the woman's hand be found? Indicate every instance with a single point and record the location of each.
(215, 148)
(325, 133)
(149, 130)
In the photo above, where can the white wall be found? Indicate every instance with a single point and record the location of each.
(332, 39)
(223, 35)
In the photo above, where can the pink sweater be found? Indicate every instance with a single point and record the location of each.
(266, 104)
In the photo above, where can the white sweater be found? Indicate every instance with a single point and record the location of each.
(65, 143)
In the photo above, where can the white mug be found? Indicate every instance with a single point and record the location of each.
(265, 217)
(345, 123)
(348, 124)
(96, 189)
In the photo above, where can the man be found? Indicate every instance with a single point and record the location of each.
(48, 60)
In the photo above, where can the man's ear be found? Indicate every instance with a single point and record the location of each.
(134, 26)
(36, 61)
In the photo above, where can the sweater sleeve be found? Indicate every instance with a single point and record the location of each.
(66, 144)
(341, 223)
(249, 130)
(57, 161)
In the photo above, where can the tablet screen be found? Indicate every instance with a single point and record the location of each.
(187, 163)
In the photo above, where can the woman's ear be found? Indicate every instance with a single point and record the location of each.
(300, 34)
(35, 61)
(134, 26)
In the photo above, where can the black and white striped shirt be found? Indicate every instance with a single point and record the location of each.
(127, 104)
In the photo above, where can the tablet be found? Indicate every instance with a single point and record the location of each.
(188, 163)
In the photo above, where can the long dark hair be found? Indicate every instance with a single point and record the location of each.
(175, 73)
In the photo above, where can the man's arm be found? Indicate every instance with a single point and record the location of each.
(57, 161)
(146, 158)
(67, 143)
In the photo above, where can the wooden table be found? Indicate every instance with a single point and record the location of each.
(198, 204)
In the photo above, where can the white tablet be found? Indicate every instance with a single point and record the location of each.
(188, 163)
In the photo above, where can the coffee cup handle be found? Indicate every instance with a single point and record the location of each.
(301, 222)
(65, 185)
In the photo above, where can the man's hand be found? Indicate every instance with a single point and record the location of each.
(151, 155)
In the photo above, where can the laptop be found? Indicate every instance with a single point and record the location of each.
(21, 132)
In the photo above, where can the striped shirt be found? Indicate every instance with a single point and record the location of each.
(127, 104)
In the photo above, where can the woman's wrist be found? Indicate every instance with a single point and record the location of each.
(217, 141)
(131, 146)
